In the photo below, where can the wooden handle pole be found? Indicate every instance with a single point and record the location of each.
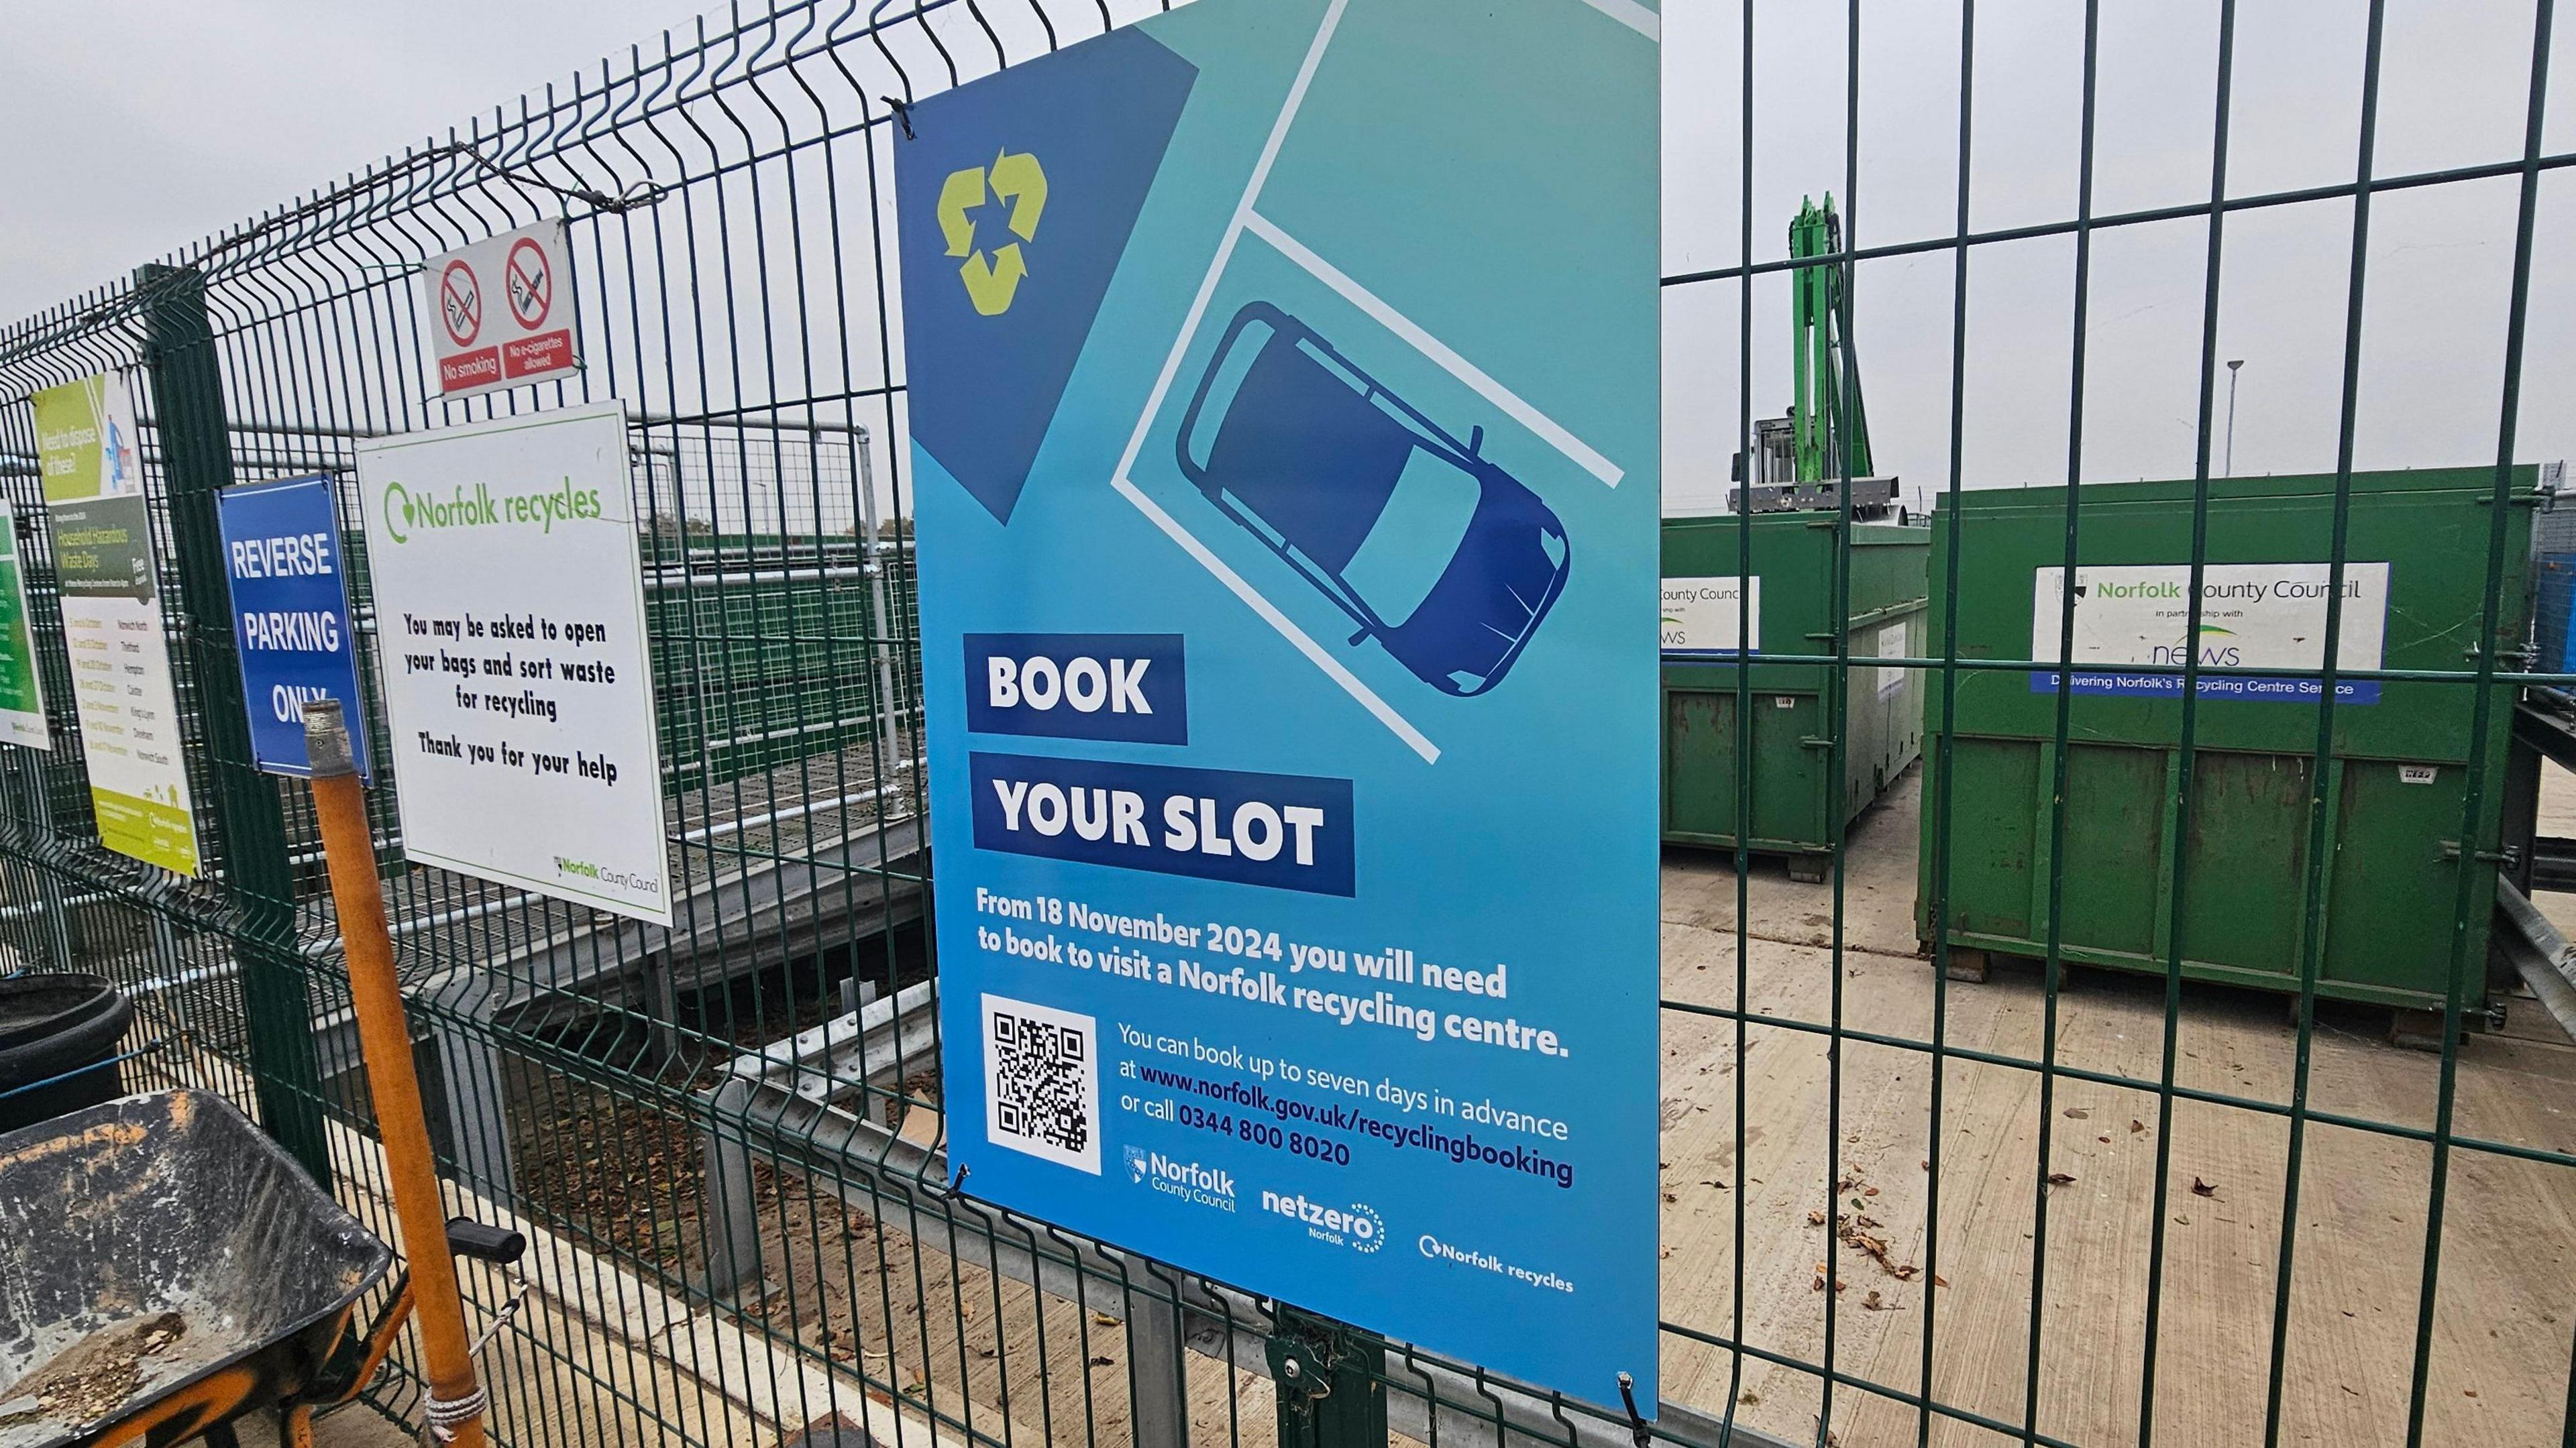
(375, 995)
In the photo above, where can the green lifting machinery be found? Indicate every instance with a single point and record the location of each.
(1821, 361)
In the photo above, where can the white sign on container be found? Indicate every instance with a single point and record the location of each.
(1891, 645)
(2252, 616)
(501, 312)
(1702, 615)
(518, 675)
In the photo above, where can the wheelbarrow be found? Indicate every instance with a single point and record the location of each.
(166, 1269)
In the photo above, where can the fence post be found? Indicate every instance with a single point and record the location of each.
(1331, 1379)
(248, 821)
(730, 1210)
(1158, 1381)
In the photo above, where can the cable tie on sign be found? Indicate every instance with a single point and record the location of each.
(957, 1181)
(902, 113)
(1637, 1429)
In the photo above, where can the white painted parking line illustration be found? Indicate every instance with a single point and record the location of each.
(1633, 15)
(1247, 218)
(1556, 436)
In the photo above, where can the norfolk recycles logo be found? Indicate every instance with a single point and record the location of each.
(993, 280)
(406, 512)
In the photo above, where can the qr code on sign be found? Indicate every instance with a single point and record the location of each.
(1042, 1074)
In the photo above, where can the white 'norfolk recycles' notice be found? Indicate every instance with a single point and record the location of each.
(518, 676)
(1702, 615)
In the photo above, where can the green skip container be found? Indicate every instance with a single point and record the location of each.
(1789, 771)
(2395, 777)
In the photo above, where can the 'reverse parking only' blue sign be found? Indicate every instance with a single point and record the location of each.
(1283, 390)
(291, 624)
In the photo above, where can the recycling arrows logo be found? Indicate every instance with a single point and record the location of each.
(984, 386)
(1016, 177)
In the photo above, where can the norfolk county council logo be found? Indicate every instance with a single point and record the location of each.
(1202, 1185)
(1016, 177)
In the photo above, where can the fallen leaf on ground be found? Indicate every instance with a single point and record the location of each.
(1848, 1230)
(2201, 1188)
(2136, 1126)
(2078, 1113)
(2061, 1178)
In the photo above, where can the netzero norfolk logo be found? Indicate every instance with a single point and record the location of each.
(1188, 1180)
(1014, 176)
(1357, 1226)
(407, 512)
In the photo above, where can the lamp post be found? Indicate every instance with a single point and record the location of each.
(2232, 369)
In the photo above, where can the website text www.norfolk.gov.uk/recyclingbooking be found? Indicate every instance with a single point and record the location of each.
(1260, 1100)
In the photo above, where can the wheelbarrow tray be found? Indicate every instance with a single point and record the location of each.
(163, 1267)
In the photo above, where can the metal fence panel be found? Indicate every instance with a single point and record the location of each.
(1898, 1207)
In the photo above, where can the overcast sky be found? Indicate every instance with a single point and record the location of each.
(139, 126)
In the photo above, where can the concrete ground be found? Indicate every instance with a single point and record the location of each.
(1861, 1156)
(356, 1426)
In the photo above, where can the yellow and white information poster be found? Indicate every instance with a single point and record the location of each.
(91, 456)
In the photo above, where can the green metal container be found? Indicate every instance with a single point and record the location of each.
(2416, 577)
(1789, 772)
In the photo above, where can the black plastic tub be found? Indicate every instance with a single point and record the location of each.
(58, 1045)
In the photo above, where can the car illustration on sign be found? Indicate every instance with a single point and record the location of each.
(1448, 561)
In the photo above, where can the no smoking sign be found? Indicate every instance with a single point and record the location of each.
(500, 314)
(531, 280)
(460, 303)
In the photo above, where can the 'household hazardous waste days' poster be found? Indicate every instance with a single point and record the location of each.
(92, 460)
(1283, 393)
